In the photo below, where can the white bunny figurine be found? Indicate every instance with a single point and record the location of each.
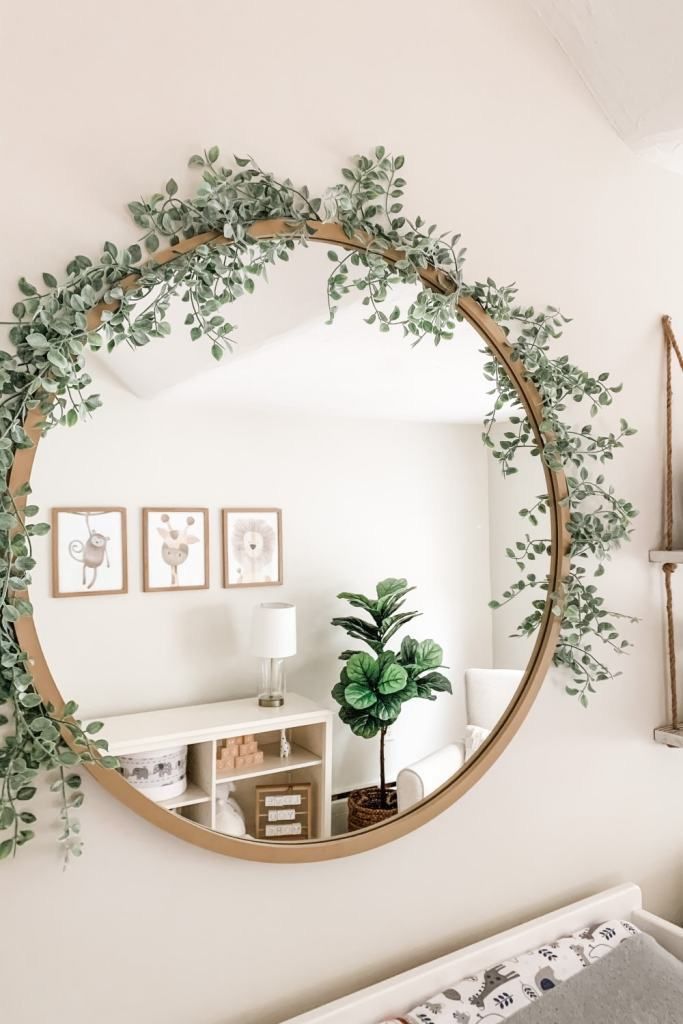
(229, 814)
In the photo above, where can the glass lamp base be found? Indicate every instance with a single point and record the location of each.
(271, 700)
(272, 689)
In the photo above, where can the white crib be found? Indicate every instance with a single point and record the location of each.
(397, 995)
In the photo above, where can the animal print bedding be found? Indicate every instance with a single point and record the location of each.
(497, 993)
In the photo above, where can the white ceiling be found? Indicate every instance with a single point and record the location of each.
(347, 370)
(289, 359)
(628, 53)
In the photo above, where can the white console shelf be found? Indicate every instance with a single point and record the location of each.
(309, 730)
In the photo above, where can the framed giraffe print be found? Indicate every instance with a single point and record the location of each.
(175, 544)
(89, 555)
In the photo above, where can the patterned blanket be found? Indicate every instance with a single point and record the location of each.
(497, 993)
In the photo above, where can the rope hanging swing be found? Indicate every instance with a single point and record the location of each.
(669, 567)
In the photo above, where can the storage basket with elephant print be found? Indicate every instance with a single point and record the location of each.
(159, 774)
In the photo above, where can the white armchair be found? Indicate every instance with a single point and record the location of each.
(488, 691)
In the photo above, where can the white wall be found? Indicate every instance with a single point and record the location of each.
(361, 500)
(504, 144)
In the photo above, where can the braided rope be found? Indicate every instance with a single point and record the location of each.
(669, 568)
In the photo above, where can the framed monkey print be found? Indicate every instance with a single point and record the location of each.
(89, 555)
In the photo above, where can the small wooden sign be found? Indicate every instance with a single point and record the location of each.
(284, 812)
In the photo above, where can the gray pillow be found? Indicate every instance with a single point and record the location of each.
(637, 983)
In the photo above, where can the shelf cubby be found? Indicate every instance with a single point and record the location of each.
(200, 727)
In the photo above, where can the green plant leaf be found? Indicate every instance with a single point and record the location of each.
(388, 708)
(391, 586)
(393, 679)
(428, 654)
(338, 692)
(359, 696)
(362, 668)
(397, 622)
(408, 650)
(357, 627)
(436, 681)
(365, 726)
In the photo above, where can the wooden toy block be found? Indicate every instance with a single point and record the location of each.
(245, 760)
(248, 748)
(248, 738)
(258, 757)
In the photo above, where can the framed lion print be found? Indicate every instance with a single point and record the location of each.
(252, 547)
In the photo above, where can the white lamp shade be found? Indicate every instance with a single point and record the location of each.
(273, 630)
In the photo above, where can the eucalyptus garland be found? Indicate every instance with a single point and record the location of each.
(45, 369)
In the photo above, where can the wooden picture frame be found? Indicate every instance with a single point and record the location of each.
(94, 557)
(249, 514)
(166, 562)
(284, 812)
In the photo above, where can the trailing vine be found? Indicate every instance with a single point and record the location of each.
(53, 328)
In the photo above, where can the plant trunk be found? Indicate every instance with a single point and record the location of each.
(382, 772)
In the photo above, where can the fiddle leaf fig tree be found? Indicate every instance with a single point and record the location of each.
(373, 688)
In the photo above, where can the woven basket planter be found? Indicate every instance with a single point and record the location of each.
(364, 808)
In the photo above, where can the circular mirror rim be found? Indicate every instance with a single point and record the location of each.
(539, 662)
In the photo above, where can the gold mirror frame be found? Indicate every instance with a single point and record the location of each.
(366, 839)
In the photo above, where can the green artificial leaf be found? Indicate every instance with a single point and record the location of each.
(365, 726)
(408, 650)
(359, 696)
(362, 668)
(338, 692)
(25, 288)
(428, 655)
(396, 622)
(390, 586)
(357, 601)
(392, 601)
(6, 816)
(436, 681)
(393, 679)
(388, 708)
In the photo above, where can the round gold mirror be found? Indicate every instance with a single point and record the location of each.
(321, 475)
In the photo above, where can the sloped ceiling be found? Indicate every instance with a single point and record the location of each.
(628, 52)
(288, 359)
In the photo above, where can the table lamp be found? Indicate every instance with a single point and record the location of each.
(273, 638)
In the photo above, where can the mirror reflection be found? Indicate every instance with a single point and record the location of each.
(292, 555)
